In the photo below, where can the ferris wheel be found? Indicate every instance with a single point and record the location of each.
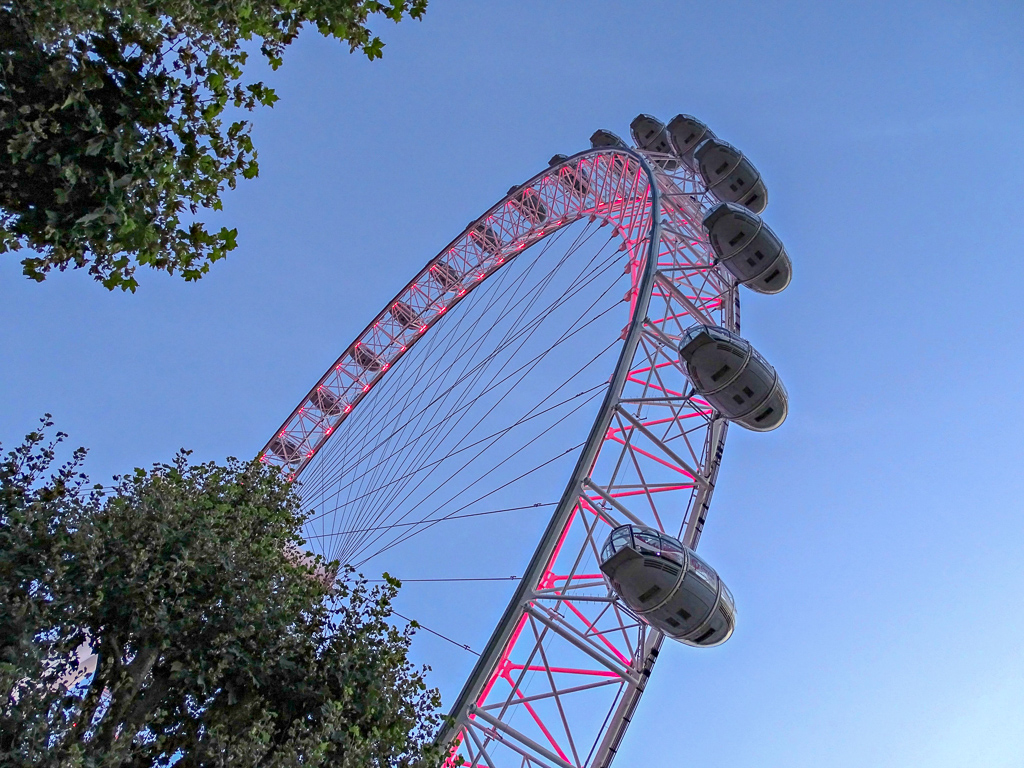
(580, 338)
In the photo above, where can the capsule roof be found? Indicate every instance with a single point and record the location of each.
(729, 174)
(686, 132)
(603, 138)
(650, 134)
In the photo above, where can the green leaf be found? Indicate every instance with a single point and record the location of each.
(115, 123)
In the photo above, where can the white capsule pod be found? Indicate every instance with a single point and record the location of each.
(445, 275)
(729, 175)
(730, 374)
(748, 248)
(486, 239)
(366, 357)
(668, 586)
(651, 135)
(529, 205)
(574, 180)
(686, 133)
(285, 449)
(325, 401)
(620, 165)
(405, 315)
(603, 138)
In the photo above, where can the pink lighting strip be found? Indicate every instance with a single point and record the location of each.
(558, 682)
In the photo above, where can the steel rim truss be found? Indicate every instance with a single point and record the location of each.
(557, 685)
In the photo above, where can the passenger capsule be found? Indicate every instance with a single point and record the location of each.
(325, 402)
(404, 315)
(365, 357)
(668, 586)
(687, 133)
(729, 373)
(729, 175)
(486, 239)
(529, 205)
(603, 138)
(444, 275)
(573, 179)
(287, 450)
(748, 248)
(651, 135)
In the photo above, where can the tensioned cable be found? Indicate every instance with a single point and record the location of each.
(435, 632)
(542, 401)
(436, 398)
(407, 536)
(538, 505)
(454, 452)
(507, 429)
(480, 479)
(478, 366)
(430, 513)
(490, 442)
(433, 581)
(593, 392)
(525, 365)
(382, 483)
(478, 296)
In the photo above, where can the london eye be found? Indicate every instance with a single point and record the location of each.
(574, 352)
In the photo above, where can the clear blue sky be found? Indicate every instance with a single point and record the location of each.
(873, 543)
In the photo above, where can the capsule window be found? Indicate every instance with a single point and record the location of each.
(738, 237)
(684, 613)
(705, 635)
(672, 622)
(722, 167)
(739, 399)
(772, 276)
(764, 414)
(721, 372)
(650, 538)
(749, 202)
(650, 593)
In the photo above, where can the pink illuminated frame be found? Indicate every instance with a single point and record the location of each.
(566, 665)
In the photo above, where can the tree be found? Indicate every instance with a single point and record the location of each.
(113, 138)
(214, 646)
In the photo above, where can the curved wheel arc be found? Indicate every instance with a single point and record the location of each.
(651, 457)
(430, 295)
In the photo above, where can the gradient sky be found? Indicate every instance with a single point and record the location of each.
(873, 543)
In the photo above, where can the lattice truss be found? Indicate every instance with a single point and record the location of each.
(560, 688)
(566, 665)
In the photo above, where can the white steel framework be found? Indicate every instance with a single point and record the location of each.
(561, 676)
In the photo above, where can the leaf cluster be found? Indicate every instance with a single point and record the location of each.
(215, 645)
(113, 128)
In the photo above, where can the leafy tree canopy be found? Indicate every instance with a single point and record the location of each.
(215, 645)
(113, 135)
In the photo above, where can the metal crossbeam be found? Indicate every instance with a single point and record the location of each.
(565, 656)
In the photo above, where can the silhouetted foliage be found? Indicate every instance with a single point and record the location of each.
(215, 643)
(112, 129)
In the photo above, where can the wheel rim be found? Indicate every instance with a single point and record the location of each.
(565, 666)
